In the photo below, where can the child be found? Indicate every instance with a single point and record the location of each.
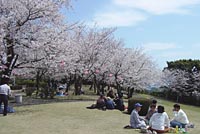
(151, 112)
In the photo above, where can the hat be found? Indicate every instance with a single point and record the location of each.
(138, 105)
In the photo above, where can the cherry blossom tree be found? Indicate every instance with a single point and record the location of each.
(35, 39)
(83, 56)
(25, 25)
(132, 69)
(180, 84)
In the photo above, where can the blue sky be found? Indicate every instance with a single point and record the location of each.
(167, 30)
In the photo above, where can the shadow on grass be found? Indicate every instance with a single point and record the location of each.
(27, 101)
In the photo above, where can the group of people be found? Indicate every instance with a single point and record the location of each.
(157, 119)
(111, 101)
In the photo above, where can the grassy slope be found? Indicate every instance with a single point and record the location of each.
(63, 118)
(74, 118)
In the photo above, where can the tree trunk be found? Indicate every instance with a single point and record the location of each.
(98, 88)
(37, 82)
(91, 86)
(11, 57)
(78, 85)
(95, 84)
(103, 85)
(118, 88)
(69, 83)
(130, 93)
(68, 86)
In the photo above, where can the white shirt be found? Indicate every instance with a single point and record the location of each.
(181, 117)
(159, 121)
(5, 89)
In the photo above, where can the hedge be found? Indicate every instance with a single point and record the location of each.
(30, 83)
(29, 90)
(145, 104)
(16, 87)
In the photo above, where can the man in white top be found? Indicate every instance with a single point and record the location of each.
(159, 121)
(135, 120)
(180, 118)
(5, 91)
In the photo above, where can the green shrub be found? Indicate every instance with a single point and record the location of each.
(28, 83)
(43, 84)
(158, 94)
(16, 87)
(29, 91)
(137, 99)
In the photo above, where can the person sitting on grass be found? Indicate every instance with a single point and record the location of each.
(151, 112)
(136, 122)
(154, 102)
(101, 102)
(159, 121)
(111, 94)
(119, 103)
(180, 118)
(110, 103)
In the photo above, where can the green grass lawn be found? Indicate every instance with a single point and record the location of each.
(74, 118)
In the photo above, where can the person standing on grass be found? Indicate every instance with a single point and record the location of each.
(5, 91)
(135, 120)
(180, 118)
(159, 121)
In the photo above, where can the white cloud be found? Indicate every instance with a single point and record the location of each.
(123, 13)
(118, 18)
(158, 6)
(172, 50)
(176, 55)
(159, 46)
